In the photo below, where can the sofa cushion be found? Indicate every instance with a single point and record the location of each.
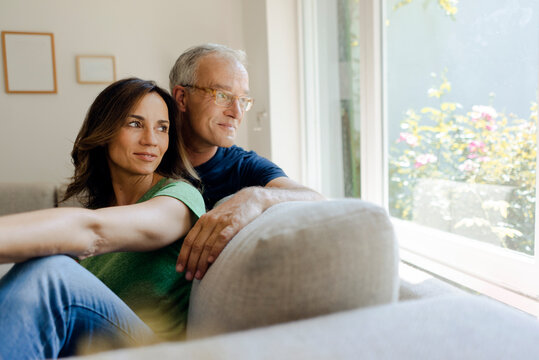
(4, 268)
(447, 327)
(71, 202)
(418, 284)
(20, 197)
(298, 260)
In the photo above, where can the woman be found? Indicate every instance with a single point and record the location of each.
(125, 155)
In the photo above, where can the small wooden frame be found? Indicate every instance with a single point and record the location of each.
(96, 69)
(29, 62)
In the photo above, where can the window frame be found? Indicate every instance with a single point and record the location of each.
(501, 267)
(422, 246)
(322, 143)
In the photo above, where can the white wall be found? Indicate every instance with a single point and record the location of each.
(284, 86)
(37, 130)
(257, 121)
(271, 42)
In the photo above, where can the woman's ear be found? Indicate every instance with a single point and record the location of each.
(180, 93)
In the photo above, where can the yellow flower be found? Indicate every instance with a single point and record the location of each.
(450, 6)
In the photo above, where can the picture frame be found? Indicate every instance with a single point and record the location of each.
(96, 69)
(29, 62)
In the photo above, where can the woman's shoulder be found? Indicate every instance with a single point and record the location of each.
(185, 192)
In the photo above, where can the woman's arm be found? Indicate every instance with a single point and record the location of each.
(81, 232)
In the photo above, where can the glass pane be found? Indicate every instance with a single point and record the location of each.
(348, 32)
(461, 87)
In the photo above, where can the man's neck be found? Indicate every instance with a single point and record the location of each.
(199, 157)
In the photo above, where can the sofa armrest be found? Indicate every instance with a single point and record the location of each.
(298, 260)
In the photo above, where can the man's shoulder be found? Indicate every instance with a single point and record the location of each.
(236, 150)
(234, 159)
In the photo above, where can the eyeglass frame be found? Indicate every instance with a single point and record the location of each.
(213, 93)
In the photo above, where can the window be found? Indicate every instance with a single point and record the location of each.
(462, 113)
(437, 104)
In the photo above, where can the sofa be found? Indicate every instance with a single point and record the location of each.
(320, 280)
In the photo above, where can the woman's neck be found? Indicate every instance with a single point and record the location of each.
(128, 189)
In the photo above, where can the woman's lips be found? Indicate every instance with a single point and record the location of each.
(146, 156)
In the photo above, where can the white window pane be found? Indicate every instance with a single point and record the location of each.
(462, 110)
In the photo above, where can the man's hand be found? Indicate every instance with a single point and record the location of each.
(214, 230)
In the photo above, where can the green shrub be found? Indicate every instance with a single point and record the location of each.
(478, 145)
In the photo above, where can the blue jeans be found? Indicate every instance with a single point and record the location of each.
(52, 307)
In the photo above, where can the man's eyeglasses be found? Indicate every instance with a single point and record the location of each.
(224, 98)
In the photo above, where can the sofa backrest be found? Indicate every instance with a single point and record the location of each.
(20, 197)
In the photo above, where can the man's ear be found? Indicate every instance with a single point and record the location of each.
(180, 93)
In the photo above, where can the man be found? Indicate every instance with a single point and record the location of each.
(211, 87)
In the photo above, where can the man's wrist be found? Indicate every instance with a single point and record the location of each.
(259, 196)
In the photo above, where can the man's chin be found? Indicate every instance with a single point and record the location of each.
(226, 143)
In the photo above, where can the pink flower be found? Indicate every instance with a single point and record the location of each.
(474, 146)
(491, 127)
(408, 138)
(482, 111)
(424, 159)
(468, 166)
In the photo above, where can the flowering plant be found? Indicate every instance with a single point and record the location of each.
(478, 146)
(450, 7)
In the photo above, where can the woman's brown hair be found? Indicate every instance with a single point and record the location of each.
(91, 182)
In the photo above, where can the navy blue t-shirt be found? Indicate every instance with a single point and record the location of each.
(231, 169)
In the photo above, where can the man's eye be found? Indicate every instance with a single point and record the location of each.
(221, 95)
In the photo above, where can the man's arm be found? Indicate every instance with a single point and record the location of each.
(216, 228)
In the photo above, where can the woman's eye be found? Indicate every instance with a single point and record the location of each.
(134, 124)
(163, 128)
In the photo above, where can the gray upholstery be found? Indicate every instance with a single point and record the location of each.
(447, 327)
(298, 260)
(4, 268)
(417, 284)
(20, 197)
(71, 202)
(307, 259)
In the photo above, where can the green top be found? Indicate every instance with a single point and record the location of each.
(147, 281)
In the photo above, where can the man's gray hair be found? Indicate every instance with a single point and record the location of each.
(184, 71)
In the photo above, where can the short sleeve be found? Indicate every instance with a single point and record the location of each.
(259, 171)
(232, 169)
(186, 193)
